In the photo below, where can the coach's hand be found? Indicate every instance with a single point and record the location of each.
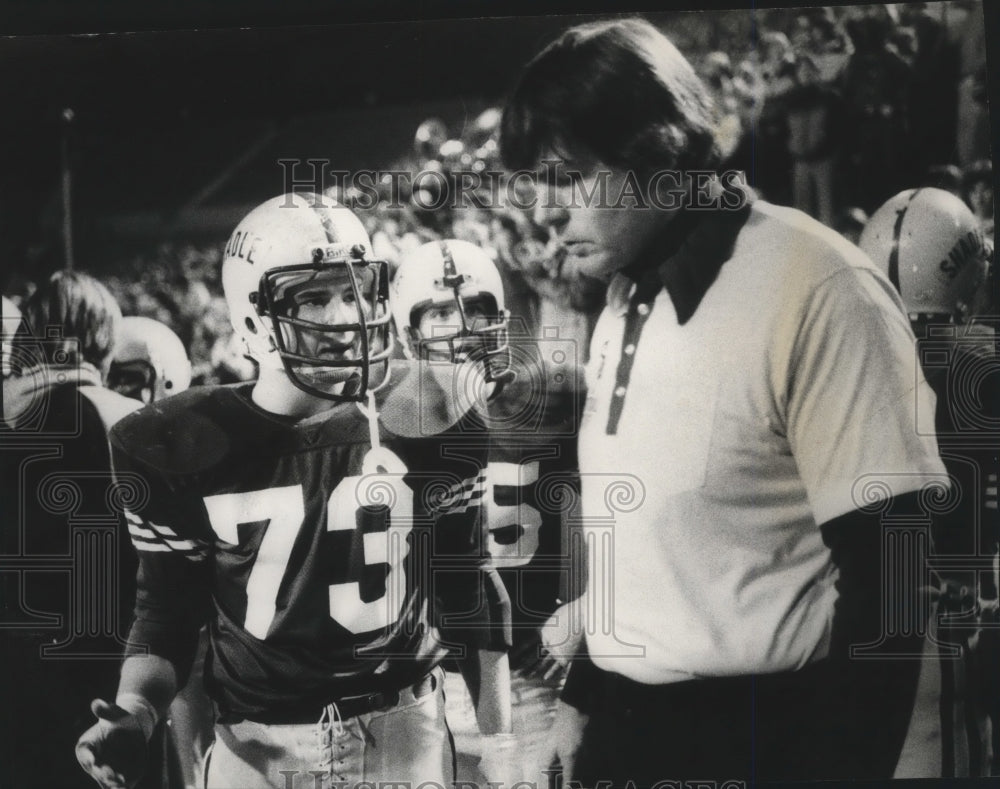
(565, 738)
(113, 750)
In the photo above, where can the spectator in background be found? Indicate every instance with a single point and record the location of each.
(66, 646)
(931, 93)
(977, 191)
(771, 163)
(717, 71)
(800, 36)
(973, 115)
(874, 89)
(749, 91)
(813, 140)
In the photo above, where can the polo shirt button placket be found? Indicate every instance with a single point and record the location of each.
(634, 322)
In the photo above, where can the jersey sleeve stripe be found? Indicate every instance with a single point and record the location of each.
(461, 496)
(160, 529)
(147, 536)
(194, 554)
(163, 531)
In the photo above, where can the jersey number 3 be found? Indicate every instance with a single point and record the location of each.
(282, 511)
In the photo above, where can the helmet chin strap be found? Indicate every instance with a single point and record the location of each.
(379, 459)
(371, 413)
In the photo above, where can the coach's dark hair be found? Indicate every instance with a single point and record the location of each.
(618, 93)
(84, 315)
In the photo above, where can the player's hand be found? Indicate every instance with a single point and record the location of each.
(537, 662)
(564, 739)
(560, 641)
(113, 750)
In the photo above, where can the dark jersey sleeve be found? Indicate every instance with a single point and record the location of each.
(173, 596)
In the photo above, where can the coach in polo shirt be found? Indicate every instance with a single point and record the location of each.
(754, 375)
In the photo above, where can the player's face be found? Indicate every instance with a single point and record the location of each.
(597, 226)
(445, 320)
(981, 199)
(327, 298)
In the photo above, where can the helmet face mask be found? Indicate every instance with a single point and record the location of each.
(329, 360)
(451, 295)
(462, 328)
(306, 300)
(134, 379)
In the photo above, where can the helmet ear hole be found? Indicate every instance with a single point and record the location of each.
(251, 325)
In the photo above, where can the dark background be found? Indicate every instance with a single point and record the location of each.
(180, 113)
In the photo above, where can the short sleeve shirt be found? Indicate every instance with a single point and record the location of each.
(787, 398)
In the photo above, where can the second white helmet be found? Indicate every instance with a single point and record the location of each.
(931, 247)
(460, 275)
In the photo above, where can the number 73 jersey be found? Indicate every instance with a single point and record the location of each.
(325, 574)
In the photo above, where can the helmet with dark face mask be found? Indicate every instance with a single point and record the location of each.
(150, 361)
(460, 281)
(306, 298)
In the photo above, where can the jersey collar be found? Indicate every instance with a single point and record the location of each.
(690, 255)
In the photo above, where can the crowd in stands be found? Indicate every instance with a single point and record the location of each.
(830, 109)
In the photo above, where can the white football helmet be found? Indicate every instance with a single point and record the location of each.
(289, 241)
(460, 274)
(148, 357)
(931, 247)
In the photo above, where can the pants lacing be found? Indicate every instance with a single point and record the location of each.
(330, 728)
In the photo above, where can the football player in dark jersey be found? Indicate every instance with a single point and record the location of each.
(447, 299)
(150, 363)
(932, 248)
(323, 521)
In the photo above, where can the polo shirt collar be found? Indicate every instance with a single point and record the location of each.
(685, 259)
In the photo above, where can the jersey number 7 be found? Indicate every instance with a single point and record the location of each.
(282, 512)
